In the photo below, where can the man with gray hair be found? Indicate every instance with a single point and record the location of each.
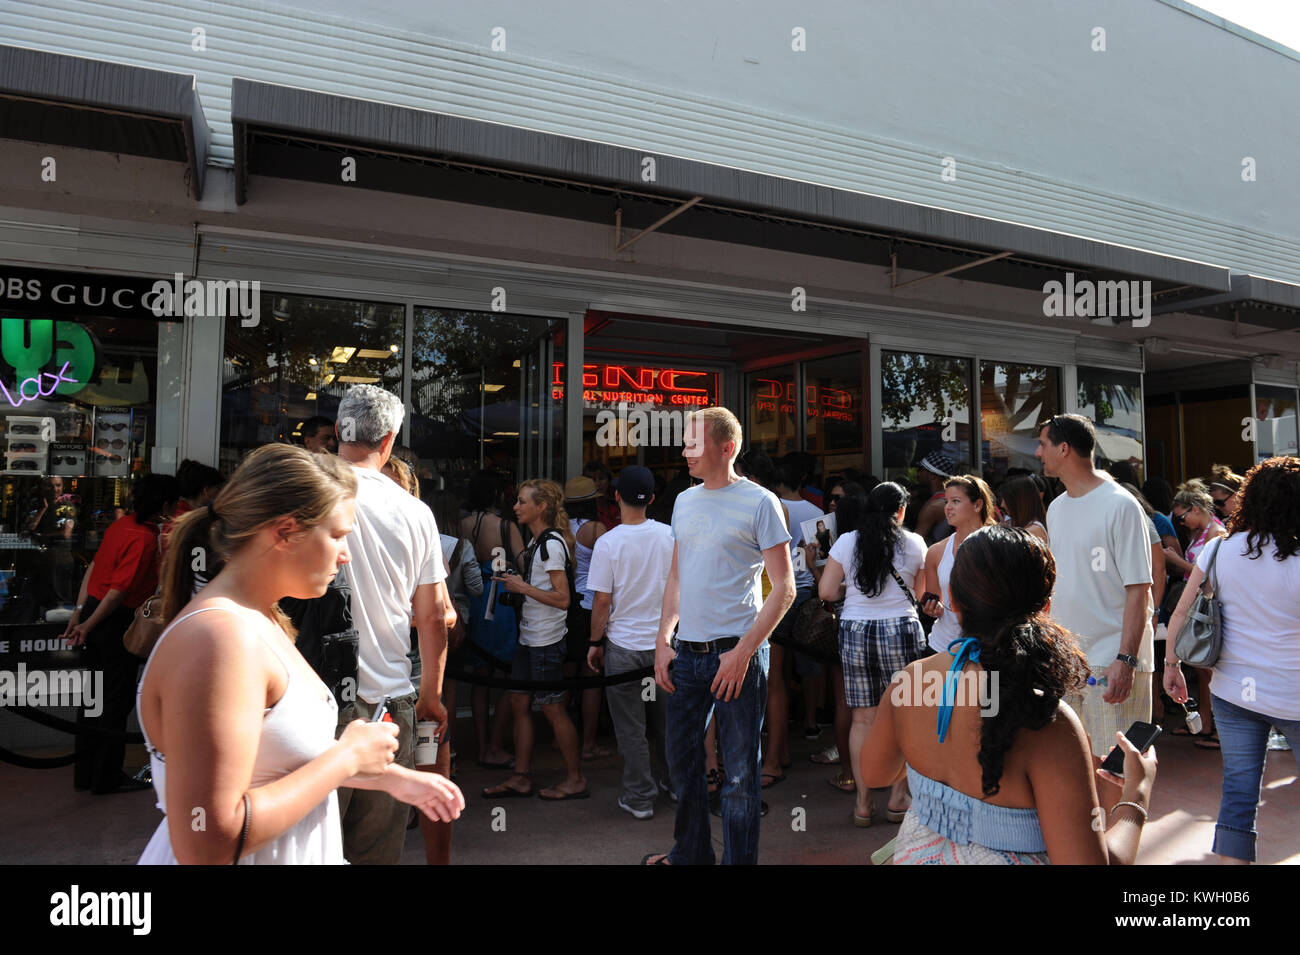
(396, 568)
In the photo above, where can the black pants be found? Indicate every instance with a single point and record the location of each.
(99, 760)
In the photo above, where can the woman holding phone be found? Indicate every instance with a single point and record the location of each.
(1007, 778)
(239, 728)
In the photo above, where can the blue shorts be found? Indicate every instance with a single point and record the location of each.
(537, 664)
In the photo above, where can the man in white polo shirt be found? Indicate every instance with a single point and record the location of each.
(629, 568)
(1098, 536)
(397, 576)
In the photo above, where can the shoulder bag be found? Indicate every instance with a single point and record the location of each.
(146, 627)
(1201, 637)
(921, 616)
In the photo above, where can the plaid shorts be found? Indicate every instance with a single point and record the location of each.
(872, 651)
(1102, 720)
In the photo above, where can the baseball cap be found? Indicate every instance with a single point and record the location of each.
(635, 484)
(936, 462)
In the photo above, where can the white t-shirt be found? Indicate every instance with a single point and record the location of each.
(395, 548)
(909, 559)
(631, 564)
(1261, 628)
(541, 624)
(1101, 545)
(800, 511)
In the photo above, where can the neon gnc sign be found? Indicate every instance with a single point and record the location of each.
(607, 383)
(776, 394)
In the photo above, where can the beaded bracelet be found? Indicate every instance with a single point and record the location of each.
(1133, 804)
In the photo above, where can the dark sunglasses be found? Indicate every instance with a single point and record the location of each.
(21, 448)
(24, 429)
(117, 444)
(24, 466)
(111, 458)
(106, 426)
(835, 497)
(70, 459)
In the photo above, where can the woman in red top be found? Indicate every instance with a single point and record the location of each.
(123, 575)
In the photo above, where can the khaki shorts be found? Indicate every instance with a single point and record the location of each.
(1102, 720)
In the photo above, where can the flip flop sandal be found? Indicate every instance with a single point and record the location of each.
(894, 815)
(863, 822)
(777, 779)
(507, 764)
(600, 752)
(505, 792)
(565, 797)
(1208, 741)
(827, 757)
(844, 784)
(1181, 731)
(663, 859)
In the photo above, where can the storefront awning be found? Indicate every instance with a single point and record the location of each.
(113, 107)
(301, 134)
(1251, 299)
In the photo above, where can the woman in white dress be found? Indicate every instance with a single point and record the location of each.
(240, 730)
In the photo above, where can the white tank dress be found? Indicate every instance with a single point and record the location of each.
(297, 729)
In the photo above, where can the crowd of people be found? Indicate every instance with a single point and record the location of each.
(314, 599)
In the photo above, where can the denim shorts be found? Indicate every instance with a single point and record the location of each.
(537, 664)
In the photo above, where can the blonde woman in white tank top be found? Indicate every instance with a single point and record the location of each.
(239, 728)
(968, 506)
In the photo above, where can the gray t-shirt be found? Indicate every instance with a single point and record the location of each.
(721, 535)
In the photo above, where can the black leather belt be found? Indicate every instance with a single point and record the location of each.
(708, 646)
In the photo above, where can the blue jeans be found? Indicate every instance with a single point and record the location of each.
(1243, 739)
(739, 723)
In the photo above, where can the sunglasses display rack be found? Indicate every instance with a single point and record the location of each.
(110, 450)
(27, 444)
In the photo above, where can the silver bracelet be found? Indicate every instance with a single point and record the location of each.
(1133, 804)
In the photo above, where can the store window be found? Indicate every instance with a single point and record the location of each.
(774, 409)
(1014, 398)
(924, 407)
(78, 420)
(1112, 400)
(297, 361)
(1275, 422)
(487, 393)
(833, 412)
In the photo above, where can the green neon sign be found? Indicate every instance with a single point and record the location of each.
(31, 347)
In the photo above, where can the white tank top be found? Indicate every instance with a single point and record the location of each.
(297, 729)
(946, 628)
(582, 564)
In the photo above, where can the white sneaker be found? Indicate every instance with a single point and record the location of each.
(636, 813)
(1276, 741)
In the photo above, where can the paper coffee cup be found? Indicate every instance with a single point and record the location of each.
(426, 742)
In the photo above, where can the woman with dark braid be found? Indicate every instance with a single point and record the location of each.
(1007, 779)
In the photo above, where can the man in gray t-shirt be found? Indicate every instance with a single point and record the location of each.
(726, 532)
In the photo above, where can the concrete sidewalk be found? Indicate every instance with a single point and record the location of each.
(46, 822)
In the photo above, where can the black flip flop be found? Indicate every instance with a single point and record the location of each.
(565, 797)
(508, 793)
